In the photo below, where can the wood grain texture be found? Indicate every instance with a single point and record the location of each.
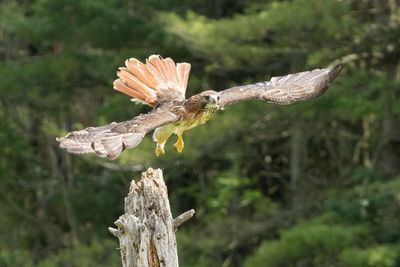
(146, 231)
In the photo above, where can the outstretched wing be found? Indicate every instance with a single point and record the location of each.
(158, 81)
(283, 90)
(110, 140)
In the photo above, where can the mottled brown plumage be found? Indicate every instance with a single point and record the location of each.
(162, 84)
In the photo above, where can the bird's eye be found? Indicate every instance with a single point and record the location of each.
(207, 97)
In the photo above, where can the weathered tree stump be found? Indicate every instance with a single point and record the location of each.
(146, 231)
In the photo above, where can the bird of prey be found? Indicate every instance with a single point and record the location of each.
(161, 84)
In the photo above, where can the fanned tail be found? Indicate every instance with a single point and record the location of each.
(157, 81)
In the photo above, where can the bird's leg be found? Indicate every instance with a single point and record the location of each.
(161, 136)
(160, 149)
(179, 145)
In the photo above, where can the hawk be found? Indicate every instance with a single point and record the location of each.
(161, 83)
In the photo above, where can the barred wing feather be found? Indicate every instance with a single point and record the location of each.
(283, 90)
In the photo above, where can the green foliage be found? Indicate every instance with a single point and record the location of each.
(375, 203)
(98, 253)
(379, 256)
(284, 30)
(57, 63)
(15, 258)
(309, 244)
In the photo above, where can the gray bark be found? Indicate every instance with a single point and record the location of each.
(146, 231)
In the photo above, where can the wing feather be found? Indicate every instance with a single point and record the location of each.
(110, 140)
(283, 90)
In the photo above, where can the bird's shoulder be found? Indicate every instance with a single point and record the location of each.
(164, 111)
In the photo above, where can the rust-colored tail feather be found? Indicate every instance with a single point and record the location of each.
(158, 80)
(141, 71)
(119, 85)
(136, 84)
(183, 74)
(172, 70)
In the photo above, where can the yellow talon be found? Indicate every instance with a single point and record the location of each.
(179, 145)
(159, 150)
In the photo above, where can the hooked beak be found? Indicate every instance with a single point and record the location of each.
(214, 99)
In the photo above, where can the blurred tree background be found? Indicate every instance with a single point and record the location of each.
(312, 184)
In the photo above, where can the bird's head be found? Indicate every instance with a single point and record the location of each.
(209, 99)
(205, 101)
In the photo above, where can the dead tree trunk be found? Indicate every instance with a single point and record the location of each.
(146, 231)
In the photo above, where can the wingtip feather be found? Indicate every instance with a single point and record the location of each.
(335, 71)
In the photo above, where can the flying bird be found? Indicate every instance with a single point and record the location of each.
(161, 83)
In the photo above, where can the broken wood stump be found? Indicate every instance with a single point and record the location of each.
(146, 231)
